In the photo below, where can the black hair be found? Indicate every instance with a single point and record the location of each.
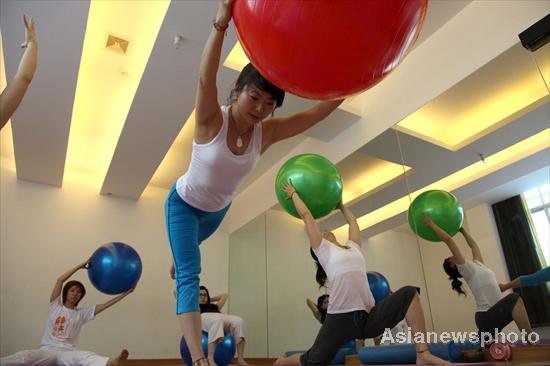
(250, 76)
(454, 276)
(322, 311)
(320, 275)
(68, 286)
(207, 293)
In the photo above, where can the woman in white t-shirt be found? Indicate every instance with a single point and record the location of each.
(351, 313)
(494, 310)
(65, 319)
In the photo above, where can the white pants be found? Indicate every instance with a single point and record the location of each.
(32, 357)
(216, 323)
(53, 357)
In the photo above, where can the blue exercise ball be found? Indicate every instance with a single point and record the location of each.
(184, 351)
(379, 286)
(350, 344)
(114, 268)
(225, 351)
(349, 348)
(222, 356)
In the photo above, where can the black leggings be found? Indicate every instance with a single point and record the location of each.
(338, 329)
(498, 316)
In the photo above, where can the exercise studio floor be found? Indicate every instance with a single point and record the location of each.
(525, 356)
(268, 362)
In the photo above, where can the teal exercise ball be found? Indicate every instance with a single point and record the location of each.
(317, 181)
(444, 210)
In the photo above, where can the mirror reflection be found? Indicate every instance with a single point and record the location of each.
(483, 144)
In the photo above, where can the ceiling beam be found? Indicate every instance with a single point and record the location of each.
(41, 124)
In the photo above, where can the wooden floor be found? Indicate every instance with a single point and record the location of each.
(179, 362)
(522, 356)
(266, 362)
(163, 363)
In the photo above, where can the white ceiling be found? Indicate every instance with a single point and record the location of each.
(458, 38)
(432, 163)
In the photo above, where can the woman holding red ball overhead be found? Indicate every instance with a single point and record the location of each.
(227, 144)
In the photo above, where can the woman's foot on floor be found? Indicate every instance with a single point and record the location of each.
(293, 360)
(279, 360)
(123, 356)
(426, 358)
(242, 362)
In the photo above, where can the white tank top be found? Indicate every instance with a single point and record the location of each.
(347, 274)
(215, 172)
(483, 283)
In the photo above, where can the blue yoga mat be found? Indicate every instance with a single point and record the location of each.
(469, 345)
(406, 353)
(339, 358)
(349, 348)
(346, 350)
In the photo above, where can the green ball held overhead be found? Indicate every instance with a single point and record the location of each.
(317, 181)
(444, 210)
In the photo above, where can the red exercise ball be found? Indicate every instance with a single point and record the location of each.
(327, 49)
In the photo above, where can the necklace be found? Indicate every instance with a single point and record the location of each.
(239, 141)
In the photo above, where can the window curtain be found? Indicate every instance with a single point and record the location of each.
(519, 245)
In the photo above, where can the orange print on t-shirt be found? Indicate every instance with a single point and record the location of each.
(59, 327)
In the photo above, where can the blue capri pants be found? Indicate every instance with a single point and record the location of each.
(187, 227)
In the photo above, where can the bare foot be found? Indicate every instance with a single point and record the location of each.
(123, 356)
(426, 358)
(278, 361)
(242, 362)
(211, 361)
(292, 360)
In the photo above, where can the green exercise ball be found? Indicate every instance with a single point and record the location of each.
(444, 209)
(316, 180)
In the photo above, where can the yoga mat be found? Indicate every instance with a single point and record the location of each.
(406, 353)
(339, 358)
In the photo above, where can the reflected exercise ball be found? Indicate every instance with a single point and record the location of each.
(444, 210)
(379, 286)
(223, 355)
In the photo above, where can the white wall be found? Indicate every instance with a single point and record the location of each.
(247, 283)
(396, 255)
(290, 279)
(47, 230)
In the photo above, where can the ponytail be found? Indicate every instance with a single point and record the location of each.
(320, 275)
(454, 276)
